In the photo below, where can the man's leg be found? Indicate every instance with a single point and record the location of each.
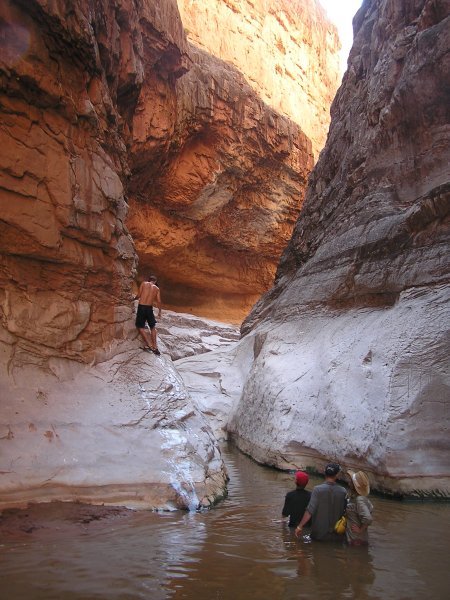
(153, 339)
(145, 336)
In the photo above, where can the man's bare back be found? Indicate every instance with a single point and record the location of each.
(149, 294)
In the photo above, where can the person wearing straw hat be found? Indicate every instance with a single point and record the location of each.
(359, 509)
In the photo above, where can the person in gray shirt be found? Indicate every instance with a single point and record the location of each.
(326, 506)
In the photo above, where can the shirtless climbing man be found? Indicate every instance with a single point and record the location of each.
(148, 296)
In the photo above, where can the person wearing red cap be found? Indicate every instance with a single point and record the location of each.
(297, 500)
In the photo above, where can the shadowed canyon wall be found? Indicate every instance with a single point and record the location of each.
(346, 357)
(71, 75)
(218, 173)
(214, 205)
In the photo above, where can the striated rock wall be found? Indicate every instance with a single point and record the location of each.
(219, 169)
(365, 279)
(70, 80)
(214, 205)
(286, 49)
(182, 335)
(124, 431)
(349, 350)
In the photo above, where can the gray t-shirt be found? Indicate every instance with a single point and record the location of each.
(326, 506)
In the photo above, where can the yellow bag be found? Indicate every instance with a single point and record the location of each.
(341, 525)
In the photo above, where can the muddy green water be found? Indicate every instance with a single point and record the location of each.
(235, 552)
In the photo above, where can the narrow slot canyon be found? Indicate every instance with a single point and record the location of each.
(297, 222)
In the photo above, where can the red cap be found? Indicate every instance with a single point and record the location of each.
(301, 478)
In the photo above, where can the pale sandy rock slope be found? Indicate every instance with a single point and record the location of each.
(184, 335)
(123, 432)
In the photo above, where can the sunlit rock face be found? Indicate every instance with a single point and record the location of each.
(350, 348)
(287, 51)
(123, 431)
(213, 206)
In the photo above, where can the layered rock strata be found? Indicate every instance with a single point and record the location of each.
(70, 79)
(124, 431)
(184, 335)
(219, 172)
(350, 348)
(213, 206)
(286, 49)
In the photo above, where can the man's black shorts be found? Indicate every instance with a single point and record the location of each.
(145, 314)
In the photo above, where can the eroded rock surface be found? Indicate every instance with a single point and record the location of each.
(216, 195)
(183, 335)
(124, 432)
(286, 49)
(219, 168)
(351, 346)
(85, 414)
(70, 78)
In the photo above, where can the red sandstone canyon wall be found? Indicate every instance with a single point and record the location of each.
(105, 106)
(214, 218)
(219, 172)
(83, 417)
(71, 74)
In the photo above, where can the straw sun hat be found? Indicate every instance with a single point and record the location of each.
(360, 482)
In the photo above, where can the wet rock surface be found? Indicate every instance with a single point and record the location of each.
(65, 517)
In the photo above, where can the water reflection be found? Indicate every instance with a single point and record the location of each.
(238, 551)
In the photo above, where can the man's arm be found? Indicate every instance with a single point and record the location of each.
(364, 514)
(306, 517)
(158, 302)
(138, 295)
(286, 510)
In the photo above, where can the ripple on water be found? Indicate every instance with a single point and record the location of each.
(237, 551)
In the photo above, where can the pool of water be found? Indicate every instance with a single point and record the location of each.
(237, 551)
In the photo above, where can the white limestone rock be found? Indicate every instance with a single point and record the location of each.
(123, 432)
(214, 381)
(365, 387)
(187, 335)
